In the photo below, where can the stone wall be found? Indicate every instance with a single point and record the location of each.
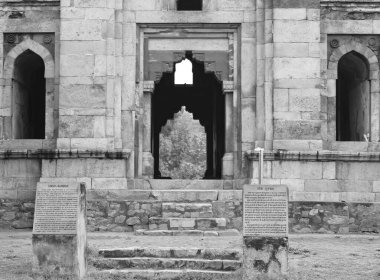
(129, 216)
(312, 179)
(18, 178)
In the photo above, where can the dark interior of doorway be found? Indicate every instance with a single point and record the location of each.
(189, 5)
(205, 100)
(29, 87)
(353, 98)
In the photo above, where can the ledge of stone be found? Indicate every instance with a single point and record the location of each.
(315, 156)
(64, 154)
(29, 3)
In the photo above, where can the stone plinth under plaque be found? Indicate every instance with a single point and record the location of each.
(59, 230)
(265, 231)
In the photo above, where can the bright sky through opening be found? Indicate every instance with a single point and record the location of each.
(184, 73)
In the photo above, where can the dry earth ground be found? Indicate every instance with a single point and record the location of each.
(312, 257)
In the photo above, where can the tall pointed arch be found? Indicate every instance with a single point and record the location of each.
(368, 57)
(34, 47)
(13, 100)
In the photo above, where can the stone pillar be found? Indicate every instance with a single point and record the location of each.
(147, 157)
(228, 158)
(59, 230)
(265, 231)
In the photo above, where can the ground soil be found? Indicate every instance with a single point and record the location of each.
(312, 257)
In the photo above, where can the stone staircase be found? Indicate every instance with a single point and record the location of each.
(170, 263)
(194, 212)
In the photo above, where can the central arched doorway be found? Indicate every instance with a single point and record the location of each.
(204, 99)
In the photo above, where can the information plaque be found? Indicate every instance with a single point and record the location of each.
(265, 210)
(56, 210)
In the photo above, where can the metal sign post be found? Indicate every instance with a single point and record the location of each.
(261, 165)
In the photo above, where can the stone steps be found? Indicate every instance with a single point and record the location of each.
(187, 223)
(170, 274)
(167, 263)
(214, 233)
(170, 252)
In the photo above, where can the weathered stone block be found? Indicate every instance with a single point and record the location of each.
(357, 171)
(77, 65)
(322, 186)
(265, 256)
(82, 96)
(80, 30)
(296, 31)
(304, 100)
(294, 68)
(304, 130)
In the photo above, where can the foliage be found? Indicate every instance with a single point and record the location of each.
(183, 148)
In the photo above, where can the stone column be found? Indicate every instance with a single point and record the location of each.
(228, 158)
(147, 157)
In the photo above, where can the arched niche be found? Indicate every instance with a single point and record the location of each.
(356, 58)
(353, 98)
(28, 58)
(28, 97)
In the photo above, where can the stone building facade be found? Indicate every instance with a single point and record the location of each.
(85, 86)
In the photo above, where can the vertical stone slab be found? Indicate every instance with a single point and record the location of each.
(59, 230)
(265, 231)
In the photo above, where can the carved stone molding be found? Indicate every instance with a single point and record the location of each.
(148, 87)
(228, 87)
(13, 39)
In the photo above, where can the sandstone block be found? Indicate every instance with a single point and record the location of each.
(376, 186)
(77, 65)
(296, 31)
(106, 168)
(311, 170)
(328, 170)
(301, 130)
(357, 197)
(286, 169)
(294, 185)
(306, 196)
(80, 30)
(289, 14)
(76, 126)
(230, 195)
(355, 186)
(296, 68)
(355, 27)
(322, 186)
(301, 100)
(357, 171)
(109, 183)
(298, 145)
(281, 100)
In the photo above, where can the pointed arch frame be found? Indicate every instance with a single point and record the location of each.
(332, 76)
(49, 75)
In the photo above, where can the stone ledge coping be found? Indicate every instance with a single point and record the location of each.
(349, 2)
(203, 196)
(315, 156)
(30, 3)
(64, 154)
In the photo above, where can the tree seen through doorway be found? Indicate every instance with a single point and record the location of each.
(183, 152)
